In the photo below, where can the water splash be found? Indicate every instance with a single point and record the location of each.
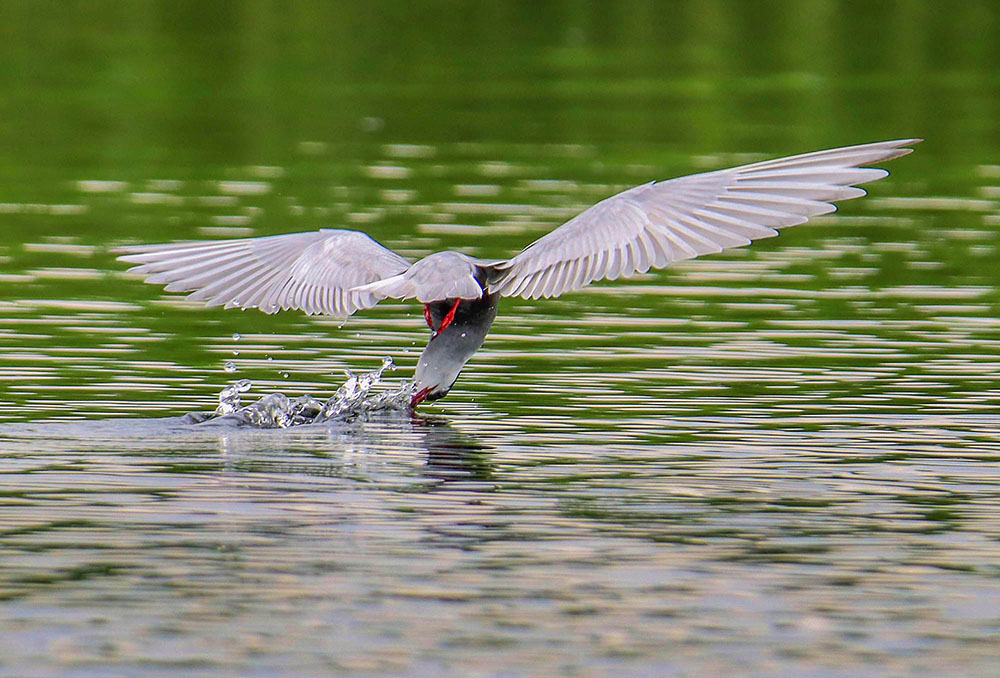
(229, 399)
(276, 410)
(354, 393)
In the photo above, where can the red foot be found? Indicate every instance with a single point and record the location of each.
(444, 321)
(448, 318)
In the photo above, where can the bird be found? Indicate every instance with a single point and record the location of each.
(337, 272)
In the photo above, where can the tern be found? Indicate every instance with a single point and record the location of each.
(336, 272)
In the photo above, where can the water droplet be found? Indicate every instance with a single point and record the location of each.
(229, 399)
(237, 352)
(371, 124)
(230, 366)
(236, 336)
(284, 375)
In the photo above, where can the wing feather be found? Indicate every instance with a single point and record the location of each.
(315, 272)
(655, 224)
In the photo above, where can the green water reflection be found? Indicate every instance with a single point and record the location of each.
(777, 459)
(158, 121)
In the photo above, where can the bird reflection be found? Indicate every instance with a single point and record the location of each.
(377, 446)
(451, 454)
(369, 444)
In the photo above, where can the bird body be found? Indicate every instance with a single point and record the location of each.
(337, 272)
(442, 275)
(461, 330)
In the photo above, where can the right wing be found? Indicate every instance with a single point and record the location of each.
(314, 272)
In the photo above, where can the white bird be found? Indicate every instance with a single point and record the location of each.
(337, 272)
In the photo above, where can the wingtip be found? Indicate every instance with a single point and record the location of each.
(895, 149)
(125, 252)
(134, 254)
(901, 145)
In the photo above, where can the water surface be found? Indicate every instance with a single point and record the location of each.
(778, 460)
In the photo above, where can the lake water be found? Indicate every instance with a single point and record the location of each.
(781, 460)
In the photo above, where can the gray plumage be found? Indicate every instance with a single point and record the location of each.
(317, 272)
(338, 272)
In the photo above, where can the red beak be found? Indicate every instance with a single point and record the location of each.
(420, 396)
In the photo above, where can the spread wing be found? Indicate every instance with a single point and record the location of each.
(315, 272)
(658, 223)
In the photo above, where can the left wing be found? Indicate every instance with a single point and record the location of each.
(658, 223)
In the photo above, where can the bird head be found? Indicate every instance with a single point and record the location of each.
(452, 345)
(437, 370)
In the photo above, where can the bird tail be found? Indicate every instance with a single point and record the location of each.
(397, 287)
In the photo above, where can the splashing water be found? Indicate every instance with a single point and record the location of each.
(276, 410)
(229, 399)
(353, 395)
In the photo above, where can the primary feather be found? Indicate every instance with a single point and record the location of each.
(655, 224)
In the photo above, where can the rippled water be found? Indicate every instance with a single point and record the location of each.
(776, 461)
